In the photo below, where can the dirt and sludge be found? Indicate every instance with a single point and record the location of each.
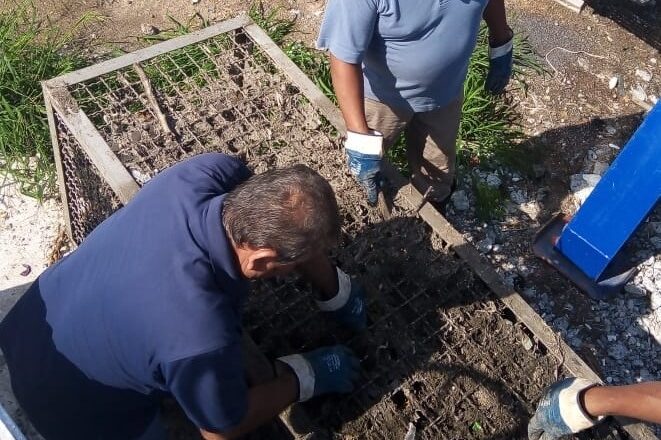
(440, 354)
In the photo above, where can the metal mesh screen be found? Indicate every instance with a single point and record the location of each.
(91, 200)
(440, 352)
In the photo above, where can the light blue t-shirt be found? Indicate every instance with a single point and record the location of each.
(414, 53)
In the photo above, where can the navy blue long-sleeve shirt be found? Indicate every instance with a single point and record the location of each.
(148, 305)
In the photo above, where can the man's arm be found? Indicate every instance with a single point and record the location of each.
(496, 19)
(640, 401)
(265, 402)
(574, 404)
(348, 85)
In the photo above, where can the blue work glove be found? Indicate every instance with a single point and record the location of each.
(348, 306)
(500, 67)
(364, 153)
(560, 412)
(324, 370)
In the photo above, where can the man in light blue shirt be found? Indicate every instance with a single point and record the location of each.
(400, 65)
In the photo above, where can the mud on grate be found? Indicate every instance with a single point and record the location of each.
(441, 351)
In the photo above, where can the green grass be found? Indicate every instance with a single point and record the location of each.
(30, 51)
(489, 201)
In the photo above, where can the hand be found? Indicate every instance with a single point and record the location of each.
(364, 153)
(560, 411)
(324, 370)
(500, 65)
(348, 306)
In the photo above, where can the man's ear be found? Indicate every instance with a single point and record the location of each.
(262, 260)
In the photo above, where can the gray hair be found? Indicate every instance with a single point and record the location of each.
(291, 210)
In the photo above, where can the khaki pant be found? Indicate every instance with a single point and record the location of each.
(430, 142)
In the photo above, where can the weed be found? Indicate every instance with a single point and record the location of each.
(269, 19)
(31, 51)
(476, 427)
(488, 201)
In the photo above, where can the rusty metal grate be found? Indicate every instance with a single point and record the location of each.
(90, 198)
(441, 352)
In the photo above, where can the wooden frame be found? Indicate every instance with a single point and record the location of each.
(58, 99)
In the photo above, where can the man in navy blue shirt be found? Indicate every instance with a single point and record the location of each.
(150, 304)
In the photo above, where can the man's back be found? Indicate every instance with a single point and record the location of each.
(414, 53)
(153, 284)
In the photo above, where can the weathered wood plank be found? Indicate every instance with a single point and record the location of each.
(105, 161)
(58, 159)
(151, 51)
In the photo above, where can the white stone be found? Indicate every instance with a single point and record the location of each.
(613, 82)
(644, 75)
(531, 209)
(611, 130)
(195, 1)
(638, 93)
(653, 99)
(148, 29)
(460, 200)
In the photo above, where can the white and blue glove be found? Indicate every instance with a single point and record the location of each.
(348, 306)
(500, 66)
(560, 412)
(364, 153)
(324, 370)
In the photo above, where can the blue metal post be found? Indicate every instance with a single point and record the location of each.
(622, 199)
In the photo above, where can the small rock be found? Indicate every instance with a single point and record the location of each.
(600, 168)
(633, 289)
(614, 147)
(638, 93)
(531, 209)
(611, 338)
(148, 29)
(460, 200)
(613, 82)
(195, 1)
(611, 130)
(493, 180)
(140, 177)
(526, 342)
(581, 185)
(518, 197)
(485, 246)
(653, 99)
(644, 75)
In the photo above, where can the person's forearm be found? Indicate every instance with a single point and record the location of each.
(496, 19)
(348, 85)
(321, 274)
(639, 401)
(265, 402)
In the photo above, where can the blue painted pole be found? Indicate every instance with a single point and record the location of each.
(622, 199)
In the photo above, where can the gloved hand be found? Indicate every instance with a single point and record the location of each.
(560, 412)
(364, 153)
(500, 66)
(324, 370)
(348, 306)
